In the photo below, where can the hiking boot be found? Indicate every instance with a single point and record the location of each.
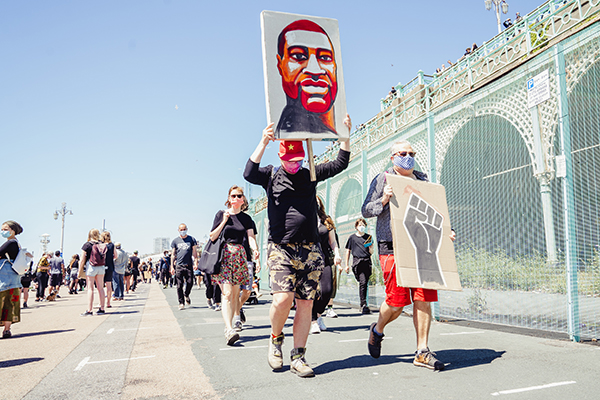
(374, 343)
(275, 356)
(299, 366)
(187, 300)
(232, 336)
(426, 358)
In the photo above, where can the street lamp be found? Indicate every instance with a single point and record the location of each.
(62, 212)
(498, 5)
(44, 241)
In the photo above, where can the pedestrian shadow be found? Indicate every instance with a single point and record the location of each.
(19, 361)
(122, 312)
(362, 361)
(339, 329)
(27, 334)
(465, 358)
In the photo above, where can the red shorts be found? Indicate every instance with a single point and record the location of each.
(397, 296)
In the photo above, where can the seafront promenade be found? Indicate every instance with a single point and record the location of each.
(145, 348)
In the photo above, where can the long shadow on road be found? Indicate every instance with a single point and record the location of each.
(19, 361)
(26, 334)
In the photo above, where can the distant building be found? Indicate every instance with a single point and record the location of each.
(161, 244)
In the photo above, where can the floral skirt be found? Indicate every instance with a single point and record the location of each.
(10, 305)
(234, 269)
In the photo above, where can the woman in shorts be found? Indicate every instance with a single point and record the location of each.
(235, 225)
(73, 270)
(94, 274)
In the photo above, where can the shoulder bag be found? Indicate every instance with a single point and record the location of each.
(210, 260)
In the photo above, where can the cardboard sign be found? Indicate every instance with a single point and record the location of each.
(304, 82)
(423, 251)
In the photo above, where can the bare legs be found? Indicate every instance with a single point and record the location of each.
(99, 280)
(229, 302)
(280, 310)
(109, 291)
(421, 320)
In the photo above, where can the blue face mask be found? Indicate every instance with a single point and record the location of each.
(5, 234)
(406, 162)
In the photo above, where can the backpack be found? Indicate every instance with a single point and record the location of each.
(98, 256)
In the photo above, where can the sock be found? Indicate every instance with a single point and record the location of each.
(236, 318)
(375, 331)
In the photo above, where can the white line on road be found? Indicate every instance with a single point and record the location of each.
(244, 347)
(461, 333)
(87, 361)
(550, 385)
(111, 330)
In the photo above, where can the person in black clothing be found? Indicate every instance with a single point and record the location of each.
(134, 261)
(164, 264)
(183, 262)
(111, 256)
(237, 227)
(360, 245)
(294, 255)
(331, 253)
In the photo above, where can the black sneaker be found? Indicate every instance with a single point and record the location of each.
(187, 300)
(100, 312)
(85, 314)
(366, 310)
(242, 316)
(426, 358)
(25, 304)
(374, 343)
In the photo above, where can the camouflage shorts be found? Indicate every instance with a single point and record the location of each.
(295, 268)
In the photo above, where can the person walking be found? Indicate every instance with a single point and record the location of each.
(111, 256)
(294, 256)
(164, 263)
(184, 260)
(119, 272)
(360, 245)
(72, 271)
(376, 204)
(26, 279)
(41, 275)
(236, 226)
(93, 262)
(10, 281)
(134, 262)
(332, 259)
(57, 269)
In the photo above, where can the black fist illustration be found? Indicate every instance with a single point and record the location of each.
(424, 227)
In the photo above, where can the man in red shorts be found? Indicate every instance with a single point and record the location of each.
(396, 297)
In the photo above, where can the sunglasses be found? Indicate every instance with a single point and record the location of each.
(239, 196)
(404, 153)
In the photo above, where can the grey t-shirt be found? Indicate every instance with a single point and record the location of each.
(56, 265)
(183, 250)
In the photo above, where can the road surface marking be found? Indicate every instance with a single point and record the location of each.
(358, 340)
(244, 347)
(549, 385)
(461, 333)
(111, 330)
(86, 361)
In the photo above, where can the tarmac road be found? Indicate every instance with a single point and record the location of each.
(145, 348)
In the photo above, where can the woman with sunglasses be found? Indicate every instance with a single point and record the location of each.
(235, 225)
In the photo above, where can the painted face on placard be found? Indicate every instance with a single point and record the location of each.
(306, 63)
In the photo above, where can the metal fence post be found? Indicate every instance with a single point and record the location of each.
(568, 195)
(435, 307)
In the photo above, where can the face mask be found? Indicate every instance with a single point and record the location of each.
(291, 167)
(183, 233)
(406, 162)
(5, 234)
(236, 202)
(361, 229)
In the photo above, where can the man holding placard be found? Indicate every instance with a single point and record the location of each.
(377, 204)
(294, 255)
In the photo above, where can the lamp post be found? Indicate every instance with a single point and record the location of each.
(62, 212)
(498, 5)
(44, 241)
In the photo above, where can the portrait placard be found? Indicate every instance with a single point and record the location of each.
(304, 79)
(423, 250)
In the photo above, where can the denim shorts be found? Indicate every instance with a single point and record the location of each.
(90, 270)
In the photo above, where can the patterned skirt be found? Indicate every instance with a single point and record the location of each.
(10, 305)
(234, 269)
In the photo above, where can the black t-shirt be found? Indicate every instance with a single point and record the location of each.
(356, 244)
(292, 204)
(110, 255)
(325, 246)
(87, 247)
(236, 227)
(183, 250)
(135, 262)
(11, 247)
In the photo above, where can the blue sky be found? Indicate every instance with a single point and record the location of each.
(88, 91)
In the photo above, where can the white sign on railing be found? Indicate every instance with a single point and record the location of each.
(538, 89)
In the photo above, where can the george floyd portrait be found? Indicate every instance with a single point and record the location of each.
(303, 76)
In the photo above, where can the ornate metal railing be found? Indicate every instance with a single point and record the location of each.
(502, 53)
